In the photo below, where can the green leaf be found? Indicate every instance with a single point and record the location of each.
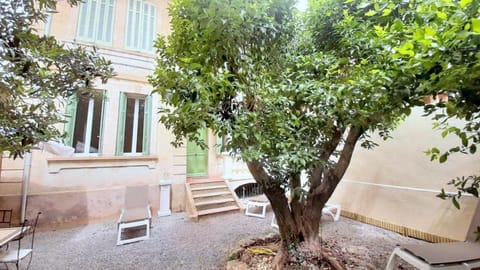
(464, 138)
(473, 191)
(443, 158)
(406, 49)
(441, 15)
(476, 25)
(455, 202)
(464, 3)
(386, 12)
(473, 149)
(371, 13)
(442, 195)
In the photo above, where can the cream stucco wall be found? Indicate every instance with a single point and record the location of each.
(396, 182)
(76, 190)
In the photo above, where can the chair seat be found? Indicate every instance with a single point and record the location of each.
(11, 255)
(442, 253)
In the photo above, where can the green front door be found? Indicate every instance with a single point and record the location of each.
(197, 158)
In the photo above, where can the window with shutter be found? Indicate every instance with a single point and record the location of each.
(84, 124)
(133, 134)
(95, 21)
(140, 26)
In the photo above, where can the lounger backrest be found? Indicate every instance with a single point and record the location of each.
(472, 236)
(136, 196)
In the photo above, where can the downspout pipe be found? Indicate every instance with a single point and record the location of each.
(27, 166)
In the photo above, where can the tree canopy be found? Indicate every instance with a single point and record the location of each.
(37, 73)
(295, 92)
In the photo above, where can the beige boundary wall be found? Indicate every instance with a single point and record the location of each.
(394, 185)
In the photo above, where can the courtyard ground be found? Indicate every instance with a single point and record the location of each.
(178, 243)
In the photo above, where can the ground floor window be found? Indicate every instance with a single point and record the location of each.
(133, 137)
(84, 123)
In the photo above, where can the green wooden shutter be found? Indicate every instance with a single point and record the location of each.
(109, 24)
(122, 108)
(82, 19)
(104, 21)
(70, 113)
(102, 121)
(147, 122)
(153, 28)
(132, 28)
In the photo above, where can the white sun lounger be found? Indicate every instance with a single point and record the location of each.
(136, 213)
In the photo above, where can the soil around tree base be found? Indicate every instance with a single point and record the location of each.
(336, 254)
(260, 253)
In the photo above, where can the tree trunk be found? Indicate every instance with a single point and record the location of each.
(299, 221)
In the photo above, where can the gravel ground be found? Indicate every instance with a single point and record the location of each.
(177, 243)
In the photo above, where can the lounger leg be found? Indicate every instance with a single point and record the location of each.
(409, 258)
(391, 261)
(148, 230)
(119, 236)
(274, 222)
(337, 213)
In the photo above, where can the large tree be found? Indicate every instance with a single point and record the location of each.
(292, 92)
(37, 73)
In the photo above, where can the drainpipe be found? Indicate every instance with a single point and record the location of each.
(27, 165)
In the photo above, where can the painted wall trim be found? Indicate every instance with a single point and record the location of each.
(55, 165)
(398, 187)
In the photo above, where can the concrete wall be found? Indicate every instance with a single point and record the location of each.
(396, 183)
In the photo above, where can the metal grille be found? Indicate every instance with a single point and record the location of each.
(249, 190)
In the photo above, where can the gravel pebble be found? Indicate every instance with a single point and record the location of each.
(178, 243)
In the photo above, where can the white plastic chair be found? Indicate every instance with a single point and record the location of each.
(136, 213)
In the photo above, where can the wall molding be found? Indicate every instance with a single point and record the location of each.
(55, 165)
(399, 187)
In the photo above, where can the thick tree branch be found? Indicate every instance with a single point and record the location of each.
(258, 172)
(328, 149)
(332, 176)
(346, 155)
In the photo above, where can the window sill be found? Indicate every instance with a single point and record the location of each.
(55, 165)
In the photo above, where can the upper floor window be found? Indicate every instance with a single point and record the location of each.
(133, 136)
(140, 26)
(95, 22)
(84, 123)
